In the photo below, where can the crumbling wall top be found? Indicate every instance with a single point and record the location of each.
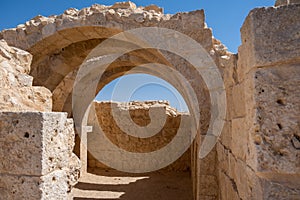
(143, 105)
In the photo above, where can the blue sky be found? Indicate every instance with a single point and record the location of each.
(224, 17)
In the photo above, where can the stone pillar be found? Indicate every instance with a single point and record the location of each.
(36, 156)
(262, 158)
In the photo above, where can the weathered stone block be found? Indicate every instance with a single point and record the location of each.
(49, 187)
(239, 103)
(25, 99)
(228, 62)
(19, 187)
(223, 157)
(124, 5)
(280, 190)
(16, 91)
(208, 185)
(34, 143)
(239, 138)
(226, 136)
(154, 8)
(208, 164)
(228, 188)
(276, 133)
(286, 2)
(269, 36)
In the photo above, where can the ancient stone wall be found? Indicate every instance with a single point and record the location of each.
(258, 154)
(139, 113)
(37, 160)
(17, 92)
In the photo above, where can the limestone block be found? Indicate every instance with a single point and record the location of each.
(25, 99)
(269, 36)
(286, 2)
(208, 185)
(73, 171)
(276, 133)
(274, 190)
(154, 8)
(239, 138)
(34, 143)
(226, 135)
(272, 186)
(228, 188)
(24, 80)
(235, 169)
(11, 77)
(223, 158)
(208, 164)
(14, 55)
(17, 92)
(238, 101)
(22, 58)
(191, 21)
(19, 187)
(229, 64)
(294, 2)
(97, 8)
(238, 173)
(194, 19)
(281, 2)
(124, 5)
(49, 187)
(10, 36)
(55, 185)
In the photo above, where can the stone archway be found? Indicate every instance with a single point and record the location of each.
(60, 44)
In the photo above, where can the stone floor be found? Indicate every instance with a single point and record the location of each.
(150, 186)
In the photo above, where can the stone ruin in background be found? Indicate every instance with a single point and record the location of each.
(258, 153)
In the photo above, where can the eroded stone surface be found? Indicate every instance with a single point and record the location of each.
(258, 154)
(278, 107)
(139, 113)
(36, 151)
(47, 142)
(51, 186)
(286, 2)
(16, 90)
(270, 36)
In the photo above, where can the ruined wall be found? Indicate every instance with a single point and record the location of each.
(17, 92)
(37, 160)
(206, 168)
(258, 154)
(139, 112)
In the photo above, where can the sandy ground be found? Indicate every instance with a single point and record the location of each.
(150, 186)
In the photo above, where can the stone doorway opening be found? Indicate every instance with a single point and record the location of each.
(103, 182)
